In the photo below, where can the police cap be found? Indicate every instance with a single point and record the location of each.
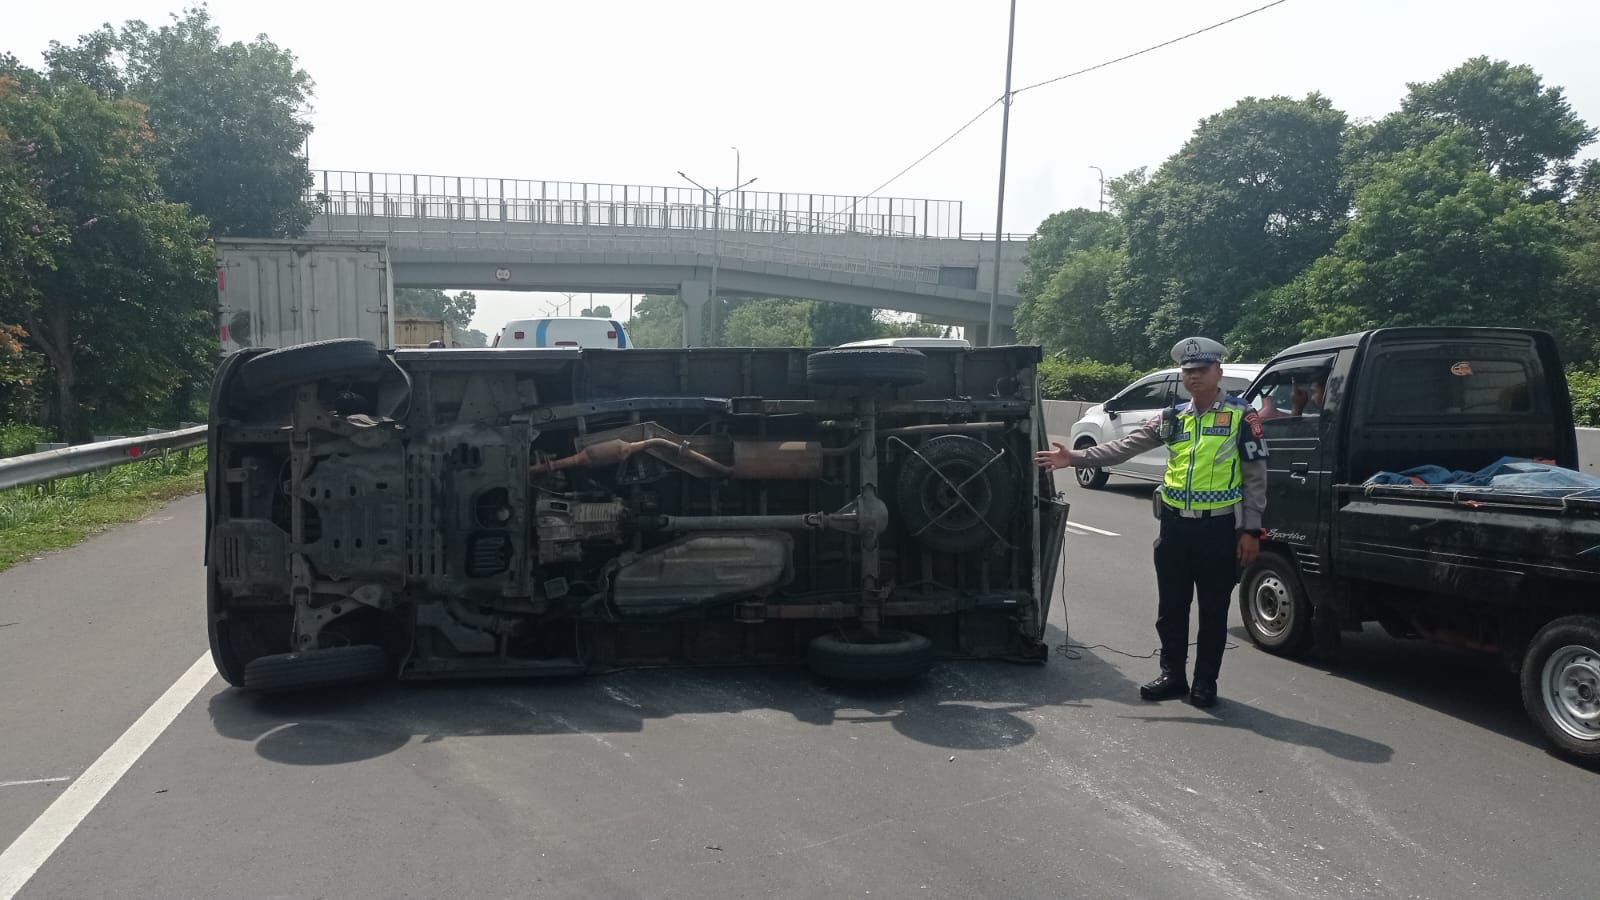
(1197, 352)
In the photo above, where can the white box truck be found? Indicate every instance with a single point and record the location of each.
(277, 293)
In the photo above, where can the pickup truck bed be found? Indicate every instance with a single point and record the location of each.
(1504, 546)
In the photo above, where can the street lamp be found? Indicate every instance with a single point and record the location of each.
(1102, 186)
(716, 234)
(1000, 204)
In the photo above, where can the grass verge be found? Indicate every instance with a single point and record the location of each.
(44, 517)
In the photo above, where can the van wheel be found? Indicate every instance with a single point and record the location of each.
(1561, 685)
(269, 373)
(867, 659)
(896, 366)
(1274, 606)
(1090, 479)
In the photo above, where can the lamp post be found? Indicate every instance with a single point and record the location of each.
(1102, 186)
(716, 234)
(1000, 204)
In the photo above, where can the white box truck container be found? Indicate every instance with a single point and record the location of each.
(277, 293)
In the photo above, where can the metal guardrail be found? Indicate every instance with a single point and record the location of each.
(36, 468)
(630, 205)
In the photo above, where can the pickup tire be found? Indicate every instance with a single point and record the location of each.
(269, 373)
(1089, 479)
(896, 366)
(1275, 607)
(1561, 685)
(868, 659)
(316, 668)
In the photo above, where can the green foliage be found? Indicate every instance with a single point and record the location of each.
(1585, 388)
(120, 303)
(1069, 313)
(1520, 127)
(1059, 235)
(456, 311)
(658, 322)
(769, 323)
(1436, 240)
(228, 119)
(1252, 198)
(1063, 379)
(17, 439)
(45, 517)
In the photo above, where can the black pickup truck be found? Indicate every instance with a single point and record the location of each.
(1508, 570)
(472, 513)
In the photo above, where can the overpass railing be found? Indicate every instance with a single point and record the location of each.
(391, 195)
(731, 252)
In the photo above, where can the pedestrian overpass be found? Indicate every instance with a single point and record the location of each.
(902, 254)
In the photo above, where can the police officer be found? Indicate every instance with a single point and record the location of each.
(1210, 506)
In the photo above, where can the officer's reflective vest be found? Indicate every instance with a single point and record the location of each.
(1203, 456)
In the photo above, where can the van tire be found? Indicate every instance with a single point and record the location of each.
(867, 659)
(316, 668)
(896, 366)
(271, 372)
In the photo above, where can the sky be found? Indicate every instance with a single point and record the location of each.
(834, 97)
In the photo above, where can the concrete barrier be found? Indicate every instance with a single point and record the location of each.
(1060, 414)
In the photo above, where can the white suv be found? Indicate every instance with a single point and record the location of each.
(1132, 407)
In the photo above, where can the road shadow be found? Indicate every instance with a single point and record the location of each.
(1472, 687)
(960, 705)
(1232, 714)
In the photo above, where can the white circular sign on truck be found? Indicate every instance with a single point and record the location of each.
(502, 274)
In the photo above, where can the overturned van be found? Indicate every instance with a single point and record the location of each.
(475, 513)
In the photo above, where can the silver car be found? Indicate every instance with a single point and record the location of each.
(1132, 407)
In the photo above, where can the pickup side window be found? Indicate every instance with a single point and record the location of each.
(1294, 392)
(1452, 385)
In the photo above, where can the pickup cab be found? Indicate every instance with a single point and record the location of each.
(1508, 570)
(525, 512)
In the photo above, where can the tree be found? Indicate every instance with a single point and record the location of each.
(657, 322)
(1058, 235)
(455, 311)
(1436, 240)
(229, 120)
(121, 300)
(1252, 198)
(770, 323)
(1069, 313)
(1521, 128)
(599, 312)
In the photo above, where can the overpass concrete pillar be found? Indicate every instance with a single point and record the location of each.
(693, 295)
(977, 333)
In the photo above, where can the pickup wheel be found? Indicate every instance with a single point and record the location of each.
(1274, 606)
(269, 373)
(1561, 685)
(896, 366)
(1091, 479)
(864, 658)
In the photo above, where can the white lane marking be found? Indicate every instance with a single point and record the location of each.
(34, 846)
(35, 781)
(1079, 526)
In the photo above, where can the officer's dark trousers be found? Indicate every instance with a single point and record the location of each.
(1195, 554)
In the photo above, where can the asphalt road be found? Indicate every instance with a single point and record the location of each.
(1403, 771)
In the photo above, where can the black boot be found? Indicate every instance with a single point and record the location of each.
(1204, 694)
(1169, 686)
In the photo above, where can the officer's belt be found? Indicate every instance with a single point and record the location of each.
(1170, 510)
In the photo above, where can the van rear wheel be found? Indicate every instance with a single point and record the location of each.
(1561, 685)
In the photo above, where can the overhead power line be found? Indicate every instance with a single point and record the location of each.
(1048, 81)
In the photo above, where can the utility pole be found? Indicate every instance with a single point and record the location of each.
(716, 234)
(1000, 203)
(1102, 186)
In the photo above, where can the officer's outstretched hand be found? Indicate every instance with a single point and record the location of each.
(1059, 458)
(1249, 549)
